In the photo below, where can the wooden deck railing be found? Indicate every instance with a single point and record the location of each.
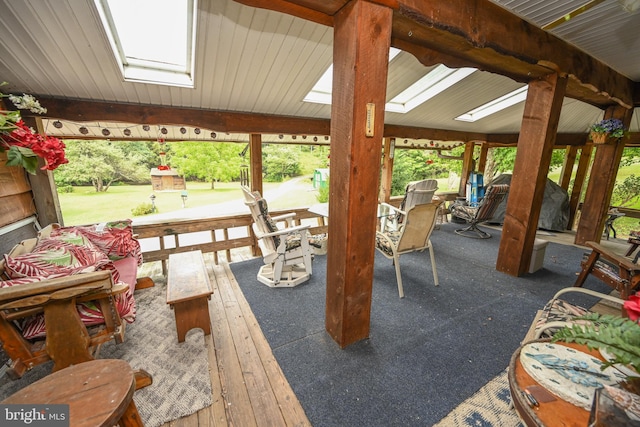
(215, 235)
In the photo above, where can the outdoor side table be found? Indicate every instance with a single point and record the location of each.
(98, 392)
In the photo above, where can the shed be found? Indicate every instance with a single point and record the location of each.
(166, 179)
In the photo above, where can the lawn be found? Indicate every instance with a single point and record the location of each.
(85, 206)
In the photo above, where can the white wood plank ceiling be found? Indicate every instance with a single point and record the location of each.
(254, 60)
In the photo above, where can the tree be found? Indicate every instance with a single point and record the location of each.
(280, 161)
(100, 163)
(627, 191)
(502, 160)
(208, 161)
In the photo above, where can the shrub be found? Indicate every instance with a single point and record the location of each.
(143, 209)
(65, 189)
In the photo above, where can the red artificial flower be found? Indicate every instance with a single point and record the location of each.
(51, 149)
(632, 306)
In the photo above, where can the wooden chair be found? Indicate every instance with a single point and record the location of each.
(286, 251)
(485, 210)
(616, 271)
(413, 235)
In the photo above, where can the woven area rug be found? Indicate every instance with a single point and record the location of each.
(488, 407)
(181, 383)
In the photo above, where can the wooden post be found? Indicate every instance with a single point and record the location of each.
(467, 167)
(43, 187)
(578, 182)
(535, 147)
(482, 161)
(255, 147)
(387, 170)
(362, 37)
(567, 166)
(601, 182)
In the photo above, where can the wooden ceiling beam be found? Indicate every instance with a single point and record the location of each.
(78, 110)
(222, 121)
(481, 34)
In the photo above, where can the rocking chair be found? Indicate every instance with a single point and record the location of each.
(286, 252)
(485, 210)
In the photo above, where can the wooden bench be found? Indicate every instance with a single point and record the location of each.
(188, 292)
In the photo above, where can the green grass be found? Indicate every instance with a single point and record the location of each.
(85, 206)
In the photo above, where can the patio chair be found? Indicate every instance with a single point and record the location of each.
(416, 193)
(286, 251)
(414, 235)
(619, 272)
(559, 312)
(485, 210)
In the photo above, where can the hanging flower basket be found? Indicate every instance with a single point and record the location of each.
(607, 131)
(601, 138)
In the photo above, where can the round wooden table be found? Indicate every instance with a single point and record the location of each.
(98, 392)
(557, 412)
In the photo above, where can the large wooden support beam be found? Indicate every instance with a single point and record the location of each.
(255, 151)
(362, 36)
(386, 176)
(468, 166)
(535, 147)
(567, 167)
(601, 182)
(578, 182)
(43, 187)
(482, 160)
(472, 33)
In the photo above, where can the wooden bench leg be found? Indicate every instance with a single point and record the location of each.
(192, 314)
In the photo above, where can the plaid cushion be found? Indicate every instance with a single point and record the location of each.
(559, 311)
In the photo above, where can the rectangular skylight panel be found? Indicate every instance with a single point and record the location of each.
(321, 91)
(494, 106)
(153, 40)
(433, 83)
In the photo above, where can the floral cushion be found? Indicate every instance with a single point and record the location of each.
(68, 251)
(115, 238)
(386, 245)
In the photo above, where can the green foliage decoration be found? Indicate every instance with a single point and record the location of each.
(618, 336)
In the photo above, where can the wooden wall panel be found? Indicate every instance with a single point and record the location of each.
(12, 179)
(16, 207)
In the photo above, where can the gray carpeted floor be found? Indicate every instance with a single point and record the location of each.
(427, 352)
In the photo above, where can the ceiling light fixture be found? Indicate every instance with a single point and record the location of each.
(494, 106)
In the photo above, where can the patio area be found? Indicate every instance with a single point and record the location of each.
(272, 363)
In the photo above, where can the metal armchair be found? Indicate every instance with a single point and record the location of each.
(485, 210)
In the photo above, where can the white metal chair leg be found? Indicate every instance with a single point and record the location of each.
(396, 264)
(433, 264)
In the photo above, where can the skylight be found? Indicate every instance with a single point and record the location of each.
(494, 106)
(153, 40)
(320, 93)
(436, 81)
(433, 83)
